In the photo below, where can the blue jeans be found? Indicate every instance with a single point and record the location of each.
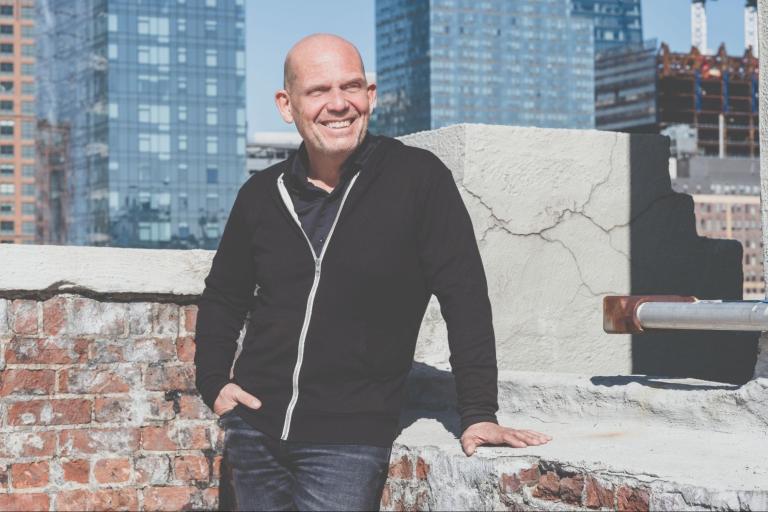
(265, 473)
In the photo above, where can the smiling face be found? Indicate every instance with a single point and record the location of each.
(326, 95)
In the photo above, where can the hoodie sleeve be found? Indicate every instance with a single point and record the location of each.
(224, 303)
(454, 272)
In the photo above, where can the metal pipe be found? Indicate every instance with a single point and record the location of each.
(712, 315)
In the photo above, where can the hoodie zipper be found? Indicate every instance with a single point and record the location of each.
(311, 298)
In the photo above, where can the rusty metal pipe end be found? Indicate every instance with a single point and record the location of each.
(620, 311)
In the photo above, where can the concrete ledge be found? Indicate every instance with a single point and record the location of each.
(632, 442)
(102, 272)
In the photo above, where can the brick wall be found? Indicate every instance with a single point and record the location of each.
(98, 408)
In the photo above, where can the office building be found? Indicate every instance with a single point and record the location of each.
(441, 62)
(17, 122)
(142, 113)
(618, 23)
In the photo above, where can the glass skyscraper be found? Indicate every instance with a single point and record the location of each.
(521, 62)
(141, 120)
(618, 23)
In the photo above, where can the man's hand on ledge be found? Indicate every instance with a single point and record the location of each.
(490, 433)
(232, 394)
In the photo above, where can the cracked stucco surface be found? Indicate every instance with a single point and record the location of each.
(552, 211)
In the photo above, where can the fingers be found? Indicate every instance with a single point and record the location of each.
(523, 438)
(468, 446)
(247, 399)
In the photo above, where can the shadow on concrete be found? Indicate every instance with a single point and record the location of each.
(668, 257)
(656, 382)
(430, 393)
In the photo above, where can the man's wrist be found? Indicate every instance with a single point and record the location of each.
(468, 421)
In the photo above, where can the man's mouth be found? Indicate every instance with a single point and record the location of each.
(337, 125)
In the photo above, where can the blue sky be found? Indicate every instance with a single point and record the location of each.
(273, 27)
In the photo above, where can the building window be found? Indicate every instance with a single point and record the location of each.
(183, 230)
(181, 55)
(183, 201)
(6, 150)
(6, 226)
(27, 69)
(27, 151)
(28, 228)
(210, 3)
(28, 31)
(6, 68)
(6, 209)
(6, 48)
(28, 50)
(27, 107)
(211, 58)
(182, 84)
(28, 88)
(6, 11)
(6, 29)
(182, 112)
(212, 116)
(181, 25)
(6, 129)
(6, 105)
(7, 189)
(211, 145)
(28, 171)
(211, 175)
(28, 208)
(182, 142)
(211, 86)
(6, 170)
(27, 13)
(212, 202)
(210, 27)
(28, 189)
(6, 87)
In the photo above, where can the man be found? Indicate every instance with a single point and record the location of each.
(345, 243)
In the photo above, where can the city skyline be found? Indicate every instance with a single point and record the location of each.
(268, 39)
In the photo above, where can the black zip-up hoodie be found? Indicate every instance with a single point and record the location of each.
(331, 336)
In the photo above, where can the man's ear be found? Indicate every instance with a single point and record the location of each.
(372, 96)
(283, 102)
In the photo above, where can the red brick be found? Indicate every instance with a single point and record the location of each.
(153, 469)
(632, 500)
(27, 444)
(89, 441)
(112, 409)
(106, 351)
(170, 438)
(185, 348)
(23, 316)
(190, 467)
(107, 471)
(27, 382)
(86, 380)
(571, 489)
(422, 469)
(104, 499)
(160, 408)
(168, 498)
(208, 499)
(192, 407)
(165, 319)
(170, 378)
(401, 468)
(597, 495)
(46, 350)
(76, 470)
(65, 411)
(24, 502)
(190, 318)
(509, 484)
(530, 476)
(548, 487)
(54, 316)
(31, 474)
(4, 470)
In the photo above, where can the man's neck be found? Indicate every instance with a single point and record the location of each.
(325, 170)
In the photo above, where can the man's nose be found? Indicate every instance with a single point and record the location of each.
(337, 102)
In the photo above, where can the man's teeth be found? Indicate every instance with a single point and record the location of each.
(338, 124)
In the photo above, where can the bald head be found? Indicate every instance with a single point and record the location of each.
(313, 47)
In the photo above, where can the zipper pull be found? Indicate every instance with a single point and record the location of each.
(317, 266)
